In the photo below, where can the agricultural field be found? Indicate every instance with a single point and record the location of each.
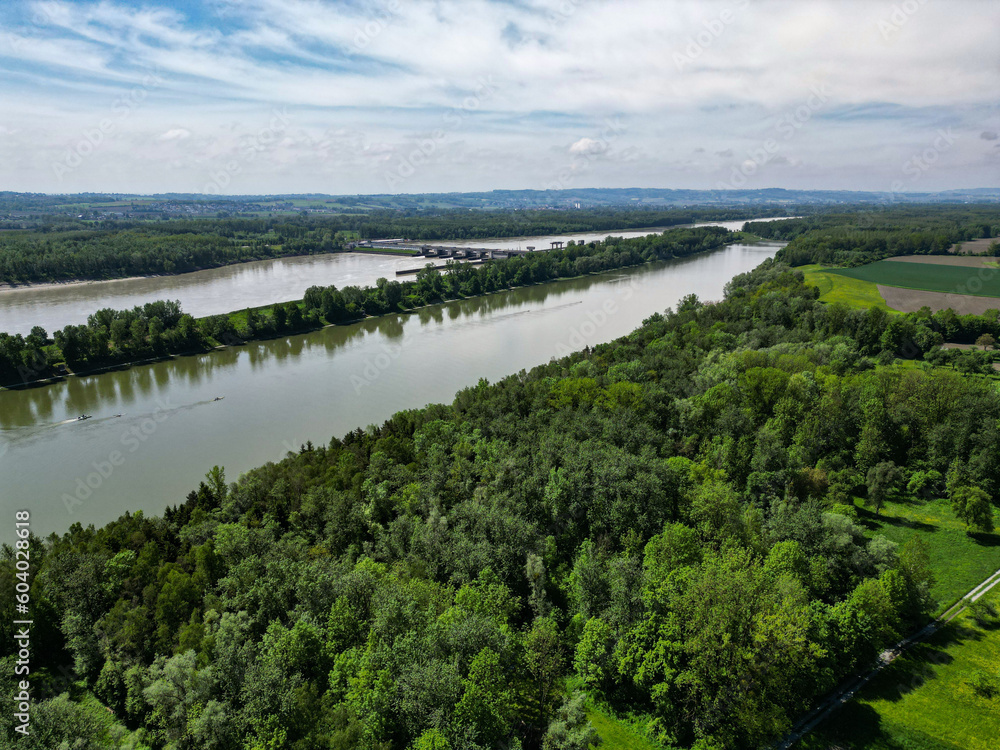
(946, 279)
(834, 287)
(974, 247)
(904, 284)
(966, 261)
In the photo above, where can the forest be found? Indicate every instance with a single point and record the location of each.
(665, 525)
(860, 237)
(159, 329)
(115, 248)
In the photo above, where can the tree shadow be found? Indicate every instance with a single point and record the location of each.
(921, 663)
(909, 523)
(857, 725)
(907, 674)
(870, 520)
(984, 539)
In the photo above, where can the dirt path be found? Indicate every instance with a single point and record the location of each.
(850, 687)
(911, 300)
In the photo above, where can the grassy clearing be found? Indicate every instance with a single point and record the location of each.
(924, 700)
(615, 734)
(958, 560)
(834, 287)
(927, 277)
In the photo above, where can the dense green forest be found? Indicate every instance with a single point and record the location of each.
(857, 238)
(117, 248)
(159, 329)
(663, 524)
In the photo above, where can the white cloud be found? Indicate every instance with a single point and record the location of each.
(685, 75)
(588, 146)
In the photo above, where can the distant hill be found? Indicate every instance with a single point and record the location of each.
(194, 203)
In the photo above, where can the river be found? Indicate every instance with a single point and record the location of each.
(222, 290)
(279, 394)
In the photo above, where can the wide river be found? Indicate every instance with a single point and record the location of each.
(279, 394)
(221, 290)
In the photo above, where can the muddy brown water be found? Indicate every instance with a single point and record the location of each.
(278, 394)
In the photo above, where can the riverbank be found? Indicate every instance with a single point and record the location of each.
(8, 286)
(282, 393)
(239, 322)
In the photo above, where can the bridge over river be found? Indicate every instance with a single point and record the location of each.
(404, 247)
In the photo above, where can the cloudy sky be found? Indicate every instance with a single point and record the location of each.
(358, 96)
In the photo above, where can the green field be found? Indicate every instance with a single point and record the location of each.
(959, 561)
(924, 701)
(984, 282)
(834, 287)
(616, 734)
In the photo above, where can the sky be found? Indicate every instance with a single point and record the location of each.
(408, 96)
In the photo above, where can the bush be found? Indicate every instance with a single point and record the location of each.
(983, 684)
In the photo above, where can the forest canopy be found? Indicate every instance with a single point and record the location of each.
(664, 523)
(115, 248)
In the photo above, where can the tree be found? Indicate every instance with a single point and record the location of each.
(986, 341)
(883, 484)
(926, 484)
(177, 693)
(972, 505)
(593, 655)
(432, 739)
(570, 729)
(489, 703)
(280, 317)
(543, 655)
(293, 316)
(38, 337)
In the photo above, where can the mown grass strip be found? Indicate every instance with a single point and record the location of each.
(834, 287)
